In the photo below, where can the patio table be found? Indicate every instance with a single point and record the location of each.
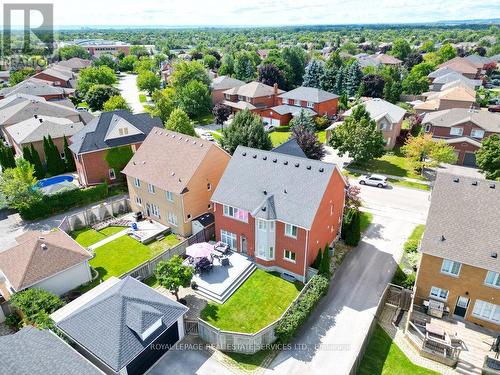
(435, 331)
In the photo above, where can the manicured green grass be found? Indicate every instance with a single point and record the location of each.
(248, 362)
(383, 357)
(321, 136)
(261, 300)
(410, 184)
(281, 137)
(158, 246)
(142, 98)
(366, 219)
(88, 236)
(417, 232)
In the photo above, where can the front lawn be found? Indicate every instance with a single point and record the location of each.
(281, 137)
(366, 219)
(88, 236)
(383, 357)
(261, 300)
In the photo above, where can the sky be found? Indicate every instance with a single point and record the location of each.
(259, 12)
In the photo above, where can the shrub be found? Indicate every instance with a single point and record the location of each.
(352, 227)
(284, 128)
(36, 305)
(409, 280)
(317, 261)
(298, 313)
(52, 204)
(13, 321)
(324, 268)
(411, 246)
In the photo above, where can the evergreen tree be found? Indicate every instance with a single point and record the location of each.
(7, 159)
(352, 227)
(317, 261)
(27, 154)
(37, 163)
(330, 78)
(339, 81)
(55, 165)
(69, 161)
(324, 268)
(353, 79)
(314, 74)
(303, 119)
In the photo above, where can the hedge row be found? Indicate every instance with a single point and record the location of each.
(284, 128)
(52, 204)
(298, 313)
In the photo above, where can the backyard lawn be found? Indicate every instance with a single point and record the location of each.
(261, 300)
(383, 357)
(281, 137)
(88, 236)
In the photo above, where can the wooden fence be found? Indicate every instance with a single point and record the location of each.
(238, 342)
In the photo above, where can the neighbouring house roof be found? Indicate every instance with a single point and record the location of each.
(35, 129)
(379, 108)
(241, 105)
(441, 71)
(377, 59)
(462, 139)
(103, 131)
(459, 83)
(309, 94)
(453, 117)
(462, 224)
(387, 59)
(19, 107)
(495, 58)
(274, 186)
(225, 82)
(284, 109)
(35, 87)
(459, 93)
(61, 74)
(112, 320)
(205, 219)
(253, 89)
(455, 76)
(75, 63)
(177, 155)
(479, 61)
(39, 256)
(33, 351)
(290, 147)
(460, 64)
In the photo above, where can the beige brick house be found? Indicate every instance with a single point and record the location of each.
(172, 176)
(460, 265)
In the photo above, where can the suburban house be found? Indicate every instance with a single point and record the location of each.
(36, 87)
(438, 83)
(98, 47)
(33, 130)
(378, 59)
(122, 325)
(75, 64)
(110, 130)
(58, 76)
(254, 96)
(52, 261)
(315, 102)
(278, 209)
(221, 84)
(460, 265)
(35, 351)
(454, 97)
(172, 177)
(462, 128)
(21, 107)
(389, 118)
(463, 66)
(482, 62)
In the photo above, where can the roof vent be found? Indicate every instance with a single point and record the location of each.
(172, 174)
(492, 186)
(254, 156)
(264, 209)
(284, 191)
(297, 165)
(308, 167)
(494, 255)
(35, 116)
(443, 238)
(43, 246)
(144, 162)
(134, 163)
(244, 154)
(264, 158)
(456, 179)
(474, 183)
(275, 160)
(40, 119)
(194, 142)
(265, 192)
(322, 170)
(285, 162)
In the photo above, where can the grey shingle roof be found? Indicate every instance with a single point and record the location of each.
(34, 87)
(455, 76)
(32, 130)
(467, 216)
(109, 324)
(284, 109)
(93, 136)
(308, 94)
(379, 108)
(456, 116)
(34, 352)
(292, 186)
(290, 147)
(225, 82)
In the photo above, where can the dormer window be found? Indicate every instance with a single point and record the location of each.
(456, 131)
(477, 133)
(123, 131)
(152, 328)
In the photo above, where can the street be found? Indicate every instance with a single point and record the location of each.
(128, 88)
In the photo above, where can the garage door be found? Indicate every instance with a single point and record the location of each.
(154, 352)
(470, 159)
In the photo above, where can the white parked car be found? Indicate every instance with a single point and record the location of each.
(207, 136)
(374, 180)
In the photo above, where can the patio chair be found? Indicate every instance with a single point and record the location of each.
(203, 265)
(224, 261)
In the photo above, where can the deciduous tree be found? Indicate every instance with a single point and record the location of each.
(16, 185)
(488, 157)
(179, 121)
(92, 75)
(221, 113)
(173, 274)
(115, 102)
(97, 95)
(423, 151)
(308, 142)
(194, 99)
(148, 81)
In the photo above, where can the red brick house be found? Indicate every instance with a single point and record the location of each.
(464, 129)
(36, 87)
(254, 96)
(464, 66)
(57, 76)
(221, 84)
(278, 209)
(110, 130)
(315, 102)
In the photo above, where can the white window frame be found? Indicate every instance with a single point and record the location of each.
(289, 229)
(447, 267)
(229, 238)
(486, 311)
(138, 200)
(296, 102)
(495, 279)
(456, 131)
(172, 219)
(284, 100)
(137, 182)
(169, 196)
(437, 292)
(235, 213)
(310, 105)
(155, 210)
(123, 131)
(111, 174)
(151, 189)
(383, 125)
(289, 256)
(474, 131)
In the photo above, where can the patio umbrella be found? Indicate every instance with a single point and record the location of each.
(199, 250)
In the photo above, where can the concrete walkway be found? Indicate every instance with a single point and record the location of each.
(108, 239)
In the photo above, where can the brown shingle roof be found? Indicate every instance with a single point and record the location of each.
(460, 64)
(168, 160)
(28, 263)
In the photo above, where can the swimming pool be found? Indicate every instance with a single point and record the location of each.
(54, 180)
